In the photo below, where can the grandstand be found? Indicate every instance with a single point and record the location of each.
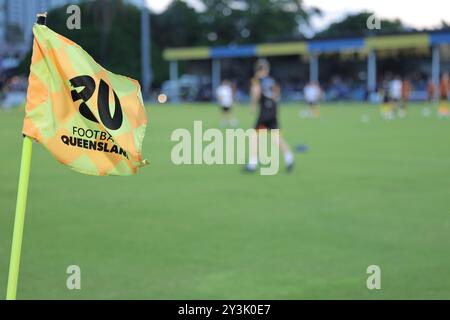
(421, 56)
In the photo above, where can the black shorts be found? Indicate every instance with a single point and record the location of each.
(226, 109)
(271, 123)
(267, 118)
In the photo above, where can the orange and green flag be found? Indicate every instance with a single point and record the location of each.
(90, 119)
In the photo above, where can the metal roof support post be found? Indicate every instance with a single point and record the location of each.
(215, 75)
(435, 69)
(146, 67)
(313, 67)
(372, 71)
(174, 80)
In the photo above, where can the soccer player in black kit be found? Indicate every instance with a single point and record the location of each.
(265, 93)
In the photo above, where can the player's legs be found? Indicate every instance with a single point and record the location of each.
(286, 150)
(395, 106)
(279, 141)
(253, 157)
(231, 118)
(403, 108)
(315, 109)
(227, 117)
(426, 110)
(443, 111)
(387, 109)
(224, 116)
(310, 109)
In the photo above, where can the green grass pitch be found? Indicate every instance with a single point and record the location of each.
(365, 193)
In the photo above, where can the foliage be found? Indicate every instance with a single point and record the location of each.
(356, 25)
(110, 30)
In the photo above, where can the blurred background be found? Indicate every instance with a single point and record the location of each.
(186, 47)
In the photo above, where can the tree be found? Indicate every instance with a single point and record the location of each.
(444, 25)
(110, 29)
(110, 33)
(13, 34)
(251, 21)
(111, 39)
(356, 25)
(178, 26)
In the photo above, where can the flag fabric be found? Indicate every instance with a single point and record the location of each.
(90, 119)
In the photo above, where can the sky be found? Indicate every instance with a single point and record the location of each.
(414, 13)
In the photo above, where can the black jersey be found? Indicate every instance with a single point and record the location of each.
(267, 104)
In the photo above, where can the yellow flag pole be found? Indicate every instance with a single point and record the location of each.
(19, 219)
(21, 205)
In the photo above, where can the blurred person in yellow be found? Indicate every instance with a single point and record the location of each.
(444, 86)
(386, 110)
(406, 91)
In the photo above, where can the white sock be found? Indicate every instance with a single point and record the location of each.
(253, 162)
(233, 122)
(288, 158)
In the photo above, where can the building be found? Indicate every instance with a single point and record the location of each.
(21, 15)
(2, 19)
(432, 48)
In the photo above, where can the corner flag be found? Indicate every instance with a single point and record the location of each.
(90, 119)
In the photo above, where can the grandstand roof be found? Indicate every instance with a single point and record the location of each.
(379, 42)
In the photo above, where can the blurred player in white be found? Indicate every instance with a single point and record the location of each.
(225, 98)
(395, 94)
(312, 93)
